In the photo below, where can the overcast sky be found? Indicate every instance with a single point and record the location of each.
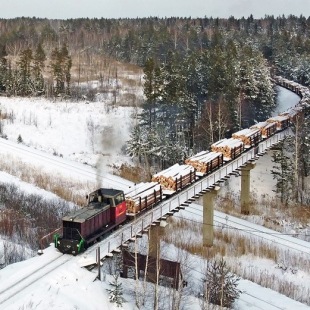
(63, 9)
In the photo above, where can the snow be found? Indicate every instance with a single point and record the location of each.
(246, 132)
(70, 131)
(204, 156)
(175, 171)
(231, 143)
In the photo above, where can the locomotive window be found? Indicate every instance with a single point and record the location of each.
(93, 197)
(119, 198)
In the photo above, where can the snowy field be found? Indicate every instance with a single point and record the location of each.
(88, 132)
(71, 131)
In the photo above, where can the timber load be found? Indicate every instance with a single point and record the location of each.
(205, 161)
(292, 113)
(176, 177)
(282, 121)
(249, 136)
(143, 196)
(231, 148)
(266, 129)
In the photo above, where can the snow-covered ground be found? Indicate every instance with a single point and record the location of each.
(54, 281)
(89, 133)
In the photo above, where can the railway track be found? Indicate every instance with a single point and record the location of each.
(62, 164)
(228, 221)
(251, 303)
(18, 284)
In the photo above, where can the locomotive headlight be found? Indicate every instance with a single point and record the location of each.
(58, 242)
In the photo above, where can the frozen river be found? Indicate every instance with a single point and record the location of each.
(285, 100)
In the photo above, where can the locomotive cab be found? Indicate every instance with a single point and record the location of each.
(105, 210)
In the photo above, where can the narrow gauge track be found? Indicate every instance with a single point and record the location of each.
(27, 280)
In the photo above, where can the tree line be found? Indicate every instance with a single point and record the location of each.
(137, 40)
(26, 78)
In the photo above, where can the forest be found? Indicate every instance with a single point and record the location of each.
(204, 78)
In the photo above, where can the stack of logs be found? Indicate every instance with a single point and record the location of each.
(205, 161)
(231, 148)
(175, 177)
(292, 113)
(249, 136)
(282, 121)
(143, 196)
(266, 129)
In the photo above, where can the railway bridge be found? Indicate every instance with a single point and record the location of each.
(181, 200)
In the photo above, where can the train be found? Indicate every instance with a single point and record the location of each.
(106, 209)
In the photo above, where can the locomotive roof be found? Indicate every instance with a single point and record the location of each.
(81, 215)
(108, 192)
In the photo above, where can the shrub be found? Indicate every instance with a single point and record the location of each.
(19, 139)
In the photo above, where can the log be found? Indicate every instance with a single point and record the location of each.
(292, 113)
(143, 196)
(249, 136)
(266, 129)
(282, 121)
(231, 148)
(205, 161)
(175, 177)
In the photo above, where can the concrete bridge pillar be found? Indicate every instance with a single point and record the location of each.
(208, 214)
(245, 187)
(155, 234)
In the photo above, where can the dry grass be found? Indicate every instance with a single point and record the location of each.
(67, 189)
(271, 212)
(3, 115)
(232, 245)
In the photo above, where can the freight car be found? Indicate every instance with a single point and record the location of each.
(106, 209)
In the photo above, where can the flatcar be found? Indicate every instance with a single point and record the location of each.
(106, 210)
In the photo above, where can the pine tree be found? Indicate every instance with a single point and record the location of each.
(38, 66)
(19, 139)
(56, 64)
(67, 64)
(24, 81)
(301, 154)
(116, 293)
(151, 90)
(61, 64)
(3, 69)
(220, 286)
